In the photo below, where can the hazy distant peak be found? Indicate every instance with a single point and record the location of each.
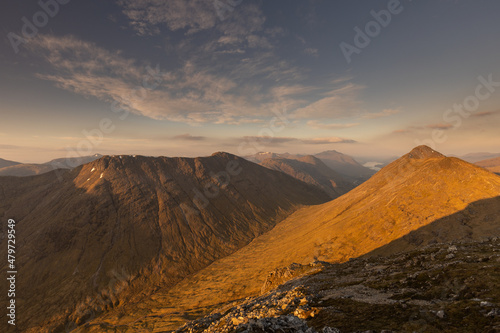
(423, 152)
(223, 154)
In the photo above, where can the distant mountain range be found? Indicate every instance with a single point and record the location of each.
(6, 163)
(492, 164)
(334, 172)
(345, 165)
(476, 157)
(421, 198)
(10, 168)
(313, 171)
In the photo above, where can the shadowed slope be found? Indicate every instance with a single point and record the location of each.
(7, 163)
(481, 219)
(119, 227)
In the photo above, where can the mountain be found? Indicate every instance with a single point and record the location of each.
(120, 227)
(262, 156)
(72, 162)
(311, 170)
(340, 163)
(26, 169)
(492, 164)
(345, 165)
(7, 163)
(413, 192)
(476, 157)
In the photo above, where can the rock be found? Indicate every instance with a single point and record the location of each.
(450, 256)
(330, 330)
(493, 313)
(484, 303)
(452, 248)
(440, 314)
(239, 320)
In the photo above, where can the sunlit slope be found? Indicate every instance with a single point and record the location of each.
(413, 191)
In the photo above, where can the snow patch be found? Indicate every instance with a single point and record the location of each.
(101, 175)
(93, 169)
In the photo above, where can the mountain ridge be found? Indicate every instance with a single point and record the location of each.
(411, 192)
(121, 226)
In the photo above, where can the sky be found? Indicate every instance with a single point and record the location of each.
(192, 77)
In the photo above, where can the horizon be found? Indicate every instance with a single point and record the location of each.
(359, 159)
(193, 78)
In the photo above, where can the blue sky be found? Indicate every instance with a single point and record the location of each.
(191, 77)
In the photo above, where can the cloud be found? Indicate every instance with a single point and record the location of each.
(383, 113)
(312, 52)
(316, 124)
(242, 91)
(402, 131)
(486, 114)
(145, 16)
(335, 103)
(188, 137)
(269, 139)
(440, 126)
(323, 141)
(5, 147)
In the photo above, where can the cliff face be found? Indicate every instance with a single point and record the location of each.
(115, 229)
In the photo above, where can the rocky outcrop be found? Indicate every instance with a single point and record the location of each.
(432, 289)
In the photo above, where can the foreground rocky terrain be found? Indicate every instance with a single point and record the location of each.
(443, 287)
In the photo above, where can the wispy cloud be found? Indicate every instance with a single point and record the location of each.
(486, 114)
(335, 103)
(242, 92)
(383, 113)
(267, 140)
(145, 16)
(440, 126)
(148, 17)
(317, 125)
(312, 52)
(188, 137)
(323, 141)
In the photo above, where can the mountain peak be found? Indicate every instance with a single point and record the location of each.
(423, 152)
